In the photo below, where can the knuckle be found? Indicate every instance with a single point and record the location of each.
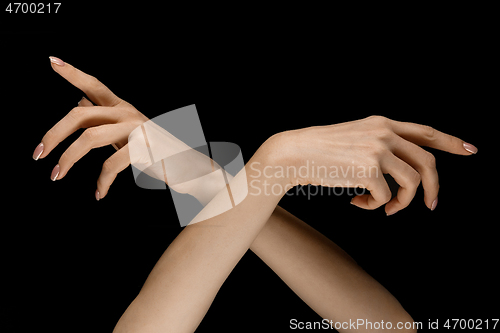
(379, 130)
(378, 120)
(378, 152)
(75, 113)
(135, 122)
(428, 132)
(429, 160)
(384, 134)
(108, 166)
(90, 134)
(94, 83)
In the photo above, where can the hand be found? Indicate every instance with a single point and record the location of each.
(113, 122)
(110, 122)
(358, 153)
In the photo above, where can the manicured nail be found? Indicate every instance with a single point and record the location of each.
(56, 61)
(97, 196)
(55, 173)
(83, 98)
(38, 151)
(434, 204)
(470, 148)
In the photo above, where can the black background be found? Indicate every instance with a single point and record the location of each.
(74, 264)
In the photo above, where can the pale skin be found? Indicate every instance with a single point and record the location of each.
(184, 282)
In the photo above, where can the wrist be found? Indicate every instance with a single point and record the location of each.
(266, 171)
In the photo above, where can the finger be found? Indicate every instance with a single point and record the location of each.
(110, 169)
(407, 178)
(86, 102)
(93, 137)
(93, 88)
(423, 135)
(425, 164)
(379, 194)
(79, 117)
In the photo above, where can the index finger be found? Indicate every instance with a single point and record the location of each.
(92, 87)
(423, 135)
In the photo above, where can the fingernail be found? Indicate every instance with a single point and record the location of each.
(81, 100)
(434, 204)
(389, 214)
(470, 148)
(97, 197)
(55, 173)
(38, 151)
(56, 61)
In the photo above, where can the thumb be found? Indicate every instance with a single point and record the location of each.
(93, 88)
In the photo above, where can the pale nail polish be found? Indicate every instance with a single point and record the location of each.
(56, 61)
(470, 148)
(55, 173)
(38, 151)
(434, 204)
(97, 196)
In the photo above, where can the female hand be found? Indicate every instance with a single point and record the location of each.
(358, 153)
(110, 122)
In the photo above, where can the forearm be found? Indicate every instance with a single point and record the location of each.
(314, 267)
(185, 280)
(322, 274)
